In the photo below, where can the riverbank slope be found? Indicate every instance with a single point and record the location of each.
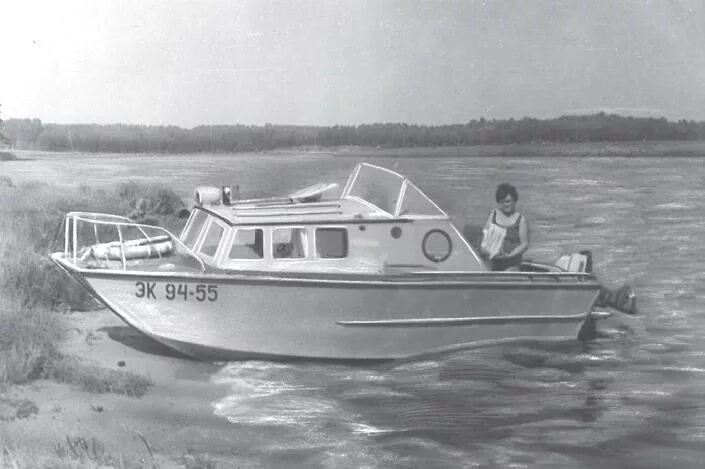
(172, 425)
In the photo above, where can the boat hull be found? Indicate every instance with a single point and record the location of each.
(225, 317)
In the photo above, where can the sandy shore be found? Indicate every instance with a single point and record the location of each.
(175, 416)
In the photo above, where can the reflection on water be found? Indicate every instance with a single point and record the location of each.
(566, 406)
(633, 398)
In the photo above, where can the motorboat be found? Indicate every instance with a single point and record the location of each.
(375, 270)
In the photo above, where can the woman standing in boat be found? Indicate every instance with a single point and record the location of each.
(516, 238)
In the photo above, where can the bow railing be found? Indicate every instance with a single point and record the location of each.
(109, 238)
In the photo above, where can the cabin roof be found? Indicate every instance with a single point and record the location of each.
(329, 211)
(371, 194)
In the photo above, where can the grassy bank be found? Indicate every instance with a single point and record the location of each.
(34, 291)
(32, 216)
(7, 156)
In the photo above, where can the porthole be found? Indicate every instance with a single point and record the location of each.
(436, 245)
(362, 227)
(395, 232)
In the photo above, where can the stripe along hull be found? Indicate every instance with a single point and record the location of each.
(238, 317)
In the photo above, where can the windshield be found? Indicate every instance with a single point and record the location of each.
(377, 186)
(383, 188)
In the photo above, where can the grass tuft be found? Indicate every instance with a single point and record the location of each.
(7, 156)
(77, 452)
(80, 450)
(29, 350)
(74, 453)
(92, 378)
(197, 461)
(28, 341)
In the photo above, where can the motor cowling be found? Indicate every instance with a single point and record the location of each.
(577, 262)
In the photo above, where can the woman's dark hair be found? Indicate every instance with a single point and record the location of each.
(505, 189)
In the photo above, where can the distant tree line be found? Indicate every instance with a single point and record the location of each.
(32, 134)
(3, 139)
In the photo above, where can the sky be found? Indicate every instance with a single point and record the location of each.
(327, 62)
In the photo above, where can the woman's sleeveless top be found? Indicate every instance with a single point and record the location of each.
(511, 239)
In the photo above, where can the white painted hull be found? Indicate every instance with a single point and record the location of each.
(276, 317)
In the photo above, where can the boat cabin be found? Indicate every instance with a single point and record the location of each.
(379, 223)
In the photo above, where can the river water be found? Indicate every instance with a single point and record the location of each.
(635, 397)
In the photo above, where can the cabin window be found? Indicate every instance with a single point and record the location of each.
(194, 228)
(289, 243)
(212, 239)
(331, 243)
(248, 243)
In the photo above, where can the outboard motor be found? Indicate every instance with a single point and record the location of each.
(622, 299)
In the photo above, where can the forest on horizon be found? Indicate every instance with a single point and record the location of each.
(32, 134)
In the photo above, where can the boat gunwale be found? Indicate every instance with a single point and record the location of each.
(467, 279)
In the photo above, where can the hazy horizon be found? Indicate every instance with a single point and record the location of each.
(323, 63)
